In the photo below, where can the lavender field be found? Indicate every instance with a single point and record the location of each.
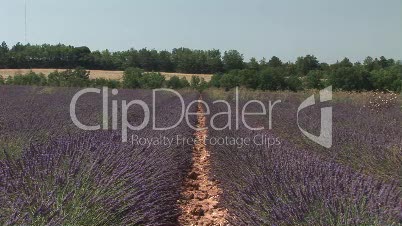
(355, 182)
(53, 173)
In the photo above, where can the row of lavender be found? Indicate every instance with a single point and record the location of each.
(64, 176)
(289, 180)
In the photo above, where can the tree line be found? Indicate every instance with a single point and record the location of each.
(308, 73)
(133, 78)
(182, 60)
(229, 68)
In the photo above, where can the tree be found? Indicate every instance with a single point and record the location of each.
(186, 60)
(82, 57)
(215, 80)
(148, 59)
(213, 61)
(195, 81)
(165, 61)
(275, 62)
(370, 64)
(306, 64)
(232, 60)
(102, 82)
(132, 77)
(350, 78)
(152, 80)
(389, 79)
(293, 83)
(3, 55)
(271, 79)
(345, 63)
(248, 78)
(198, 83)
(232, 79)
(253, 64)
(69, 78)
(177, 83)
(314, 80)
(31, 78)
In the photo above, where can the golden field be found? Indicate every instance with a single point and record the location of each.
(98, 73)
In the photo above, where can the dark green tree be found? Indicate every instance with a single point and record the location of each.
(177, 83)
(132, 78)
(306, 64)
(232, 60)
(152, 80)
(272, 79)
(314, 80)
(275, 62)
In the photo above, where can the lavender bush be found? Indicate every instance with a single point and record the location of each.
(294, 183)
(72, 177)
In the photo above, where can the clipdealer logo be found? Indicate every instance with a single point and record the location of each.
(324, 139)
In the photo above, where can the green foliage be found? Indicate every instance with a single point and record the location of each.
(177, 83)
(229, 70)
(2, 81)
(198, 83)
(271, 79)
(275, 62)
(101, 82)
(350, 78)
(132, 78)
(78, 77)
(136, 78)
(293, 83)
(387, 79)
(31, 78)
(232, 60)
(232, 79)
(197, 61)
(253, 64)
(195, 81)
(314, 80)
(215, 80)
(152, 80)
(249, 78)
(305, 64)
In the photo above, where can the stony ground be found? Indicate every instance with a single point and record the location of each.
(200, 196)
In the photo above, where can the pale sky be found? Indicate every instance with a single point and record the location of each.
(328, 29)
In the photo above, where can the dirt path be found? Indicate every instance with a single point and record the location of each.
(200, 196)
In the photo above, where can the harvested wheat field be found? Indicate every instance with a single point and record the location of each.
(98, 73)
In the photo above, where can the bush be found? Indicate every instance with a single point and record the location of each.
(198, 83)
(293, 83)
(78, 77)
(195, 81)
(232, 79)
(101, 82)
(31, 78)
(184, 82)
(177, 83)
(69, 78)
(350, 78)
(2, 81)
(132, 77)
(314, 80)
(271, 79)
(389, 79)
(152, 80)
(215, 80)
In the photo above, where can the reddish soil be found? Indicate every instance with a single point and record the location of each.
(200, 196)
